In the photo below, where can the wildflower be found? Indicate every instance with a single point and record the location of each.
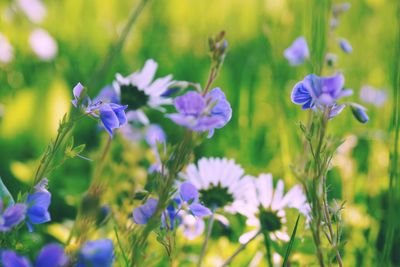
(202, 113)
(98, 253)
(50, 255)
(6, 50)
(38, 205)
(11, 216)
(373, 96)
(219, 181)
(359, 112)
(314, 91)
(77, 91)
(35, 10)
(139, 90)
(265, 208)
(189, 198)
(143, 213)
(192, 226)
(171, 217)
(297, 53)
(345, 46)
(112, 116)
(43, 44)
(155, 135)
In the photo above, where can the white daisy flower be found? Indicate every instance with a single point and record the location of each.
(219, 181)
(139, 90)
(43, 44)
(35, 10)
(265, 207)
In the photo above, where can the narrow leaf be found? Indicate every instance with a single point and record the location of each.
(291, 243)
(4, 194)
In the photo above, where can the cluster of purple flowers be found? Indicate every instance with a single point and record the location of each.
(322, 93)
(99, 253)
(34, 210)
(50, 255)
(186, 202)
(198, 111)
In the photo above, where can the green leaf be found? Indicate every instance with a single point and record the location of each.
(291, 242)
(5, 194)
(79, 149)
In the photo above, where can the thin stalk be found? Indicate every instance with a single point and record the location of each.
(240, 249)
(120, 247)
(91, 192)
(64, 129)
(331, 237)
(267, 242)
(179, 158)
(394, 198)
(119, 44)
(208, 234)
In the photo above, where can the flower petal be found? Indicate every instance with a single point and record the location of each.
(199, 210)
(188, 192)
(11, 259)
(51, 255)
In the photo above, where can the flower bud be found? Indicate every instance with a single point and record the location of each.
(359, 112)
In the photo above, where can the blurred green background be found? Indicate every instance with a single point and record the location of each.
(263, 135)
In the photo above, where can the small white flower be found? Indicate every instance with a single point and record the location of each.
(35, 10)
(6, 50)
(192, 226)
(138, 89)
(219, 181)
(43, 45)
(265, 207)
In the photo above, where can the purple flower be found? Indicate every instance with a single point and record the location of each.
(142, 214)
(112, 116)
(77, 91)
(202, 113)
(50, 255)
(314, 91)
(345, 46)
(98, 253)
(11, 216)
(38, 205)
(297, 53)
(108, 95)
(171, 217)
(11, 259)
(155, 135)
(189, 198)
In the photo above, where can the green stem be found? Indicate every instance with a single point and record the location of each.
(394, 185)
(120, 247)
(92, 192)
(177, 161)
(267, 242)
(208, 234)
(64, 129)
(119, 44)
(240, 249)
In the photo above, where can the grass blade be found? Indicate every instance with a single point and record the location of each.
(291, 242)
